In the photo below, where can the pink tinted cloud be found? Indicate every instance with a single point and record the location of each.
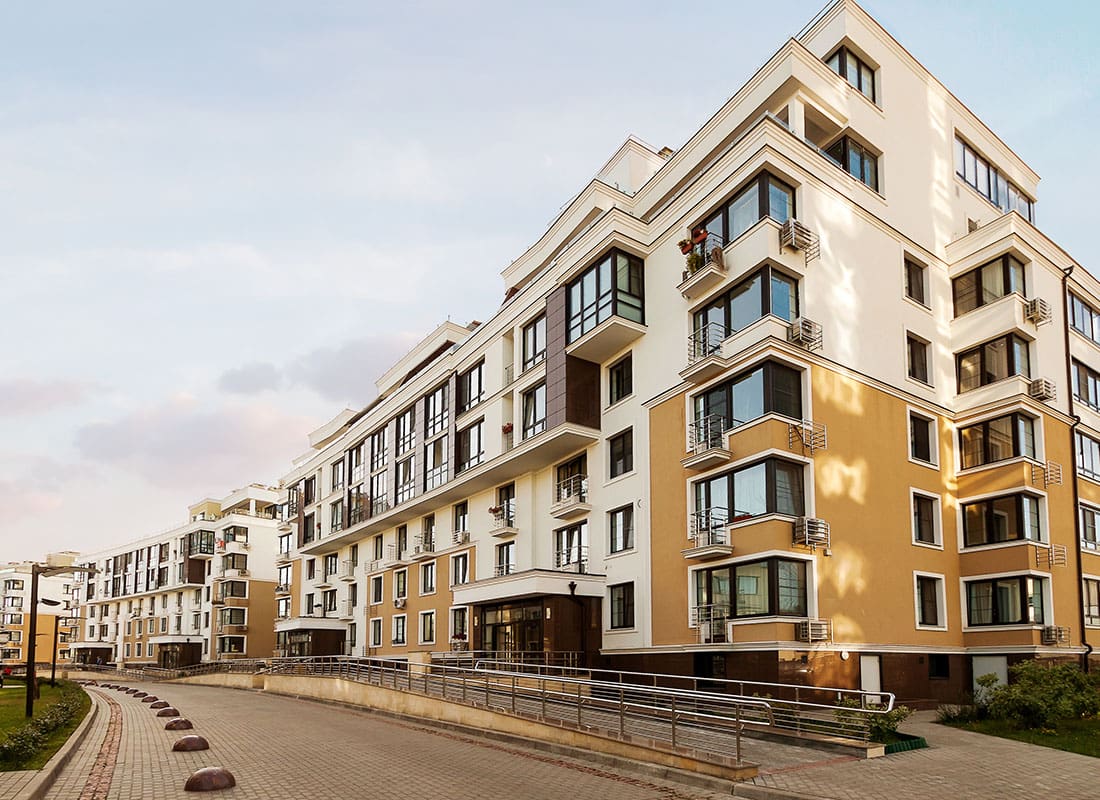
(27, 396)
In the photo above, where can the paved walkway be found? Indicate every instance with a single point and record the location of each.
(284, 747)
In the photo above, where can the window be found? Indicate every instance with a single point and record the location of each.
(332, 565)
(336, 516)
(337, 470)
(470, 388)
(1084, 318)
(771, 486)
(461, 515)
(766, 291)
(311, 568)
(1014, 600)
(916, 281)
(990, 183)
(534, 343)
(534, 411)
(379, 502)
(378, 548)
(460, 569)
(406, 480)
(767, 389)
(917, 357)
(922, 438)
(460, 623)
(435, 412)
(309, 494)
(622, 605)
(978, 287)
(406, 431)
(506, 558)
(469, 447)
(926, 519)
(571, 548)
(282, 607)
(1090, 523)
(1086, 385)
(770, 587)
(435, 463)
(328, 599)
(855, 159)
(997, 439)
(399, 629)
(930, 601)
(1008, 518)
(993, 361)
(1092, 601)
(376, 632)
(379, 443)
(376, 589)
(614, 286)
(400, 584)
(620, 380)
(853, 69)
(621, 528)
(621, 449)
(1088, 456)
(427, 578)
(427, 627)
(763, 196)
(355, 462)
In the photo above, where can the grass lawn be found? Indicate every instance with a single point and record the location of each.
(1075, 735)
(13, 700)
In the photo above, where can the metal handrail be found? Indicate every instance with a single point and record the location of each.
(706, 340)
(572, 558)
(573, 489)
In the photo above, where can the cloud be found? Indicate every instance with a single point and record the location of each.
(251, 379)
(346, 373)
(28, 396)
(192, 449)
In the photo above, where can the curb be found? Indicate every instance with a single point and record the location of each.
(38, 786)
(754, 792)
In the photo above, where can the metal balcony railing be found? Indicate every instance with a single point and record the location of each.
(708, 433)
(711, 622)
(572, 559)
(504, 516)
(709, 526)
(706, 341)
(573, 489)
(504, 569)
(347, 568)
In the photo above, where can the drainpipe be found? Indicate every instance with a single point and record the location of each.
(1073, 465)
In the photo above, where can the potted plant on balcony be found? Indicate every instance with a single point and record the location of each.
(699, 235)
(684, 245)
(458, 642)
(694, 262)
(506, 427)
(495, 510)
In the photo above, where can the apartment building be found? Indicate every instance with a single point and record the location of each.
(202, 591)
(56, 623)
(811, 398)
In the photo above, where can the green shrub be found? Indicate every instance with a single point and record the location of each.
(1039, 695)
(22, 744)
(880, 727)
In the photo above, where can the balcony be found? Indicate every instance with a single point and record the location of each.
(708, 530)
(500, 570)
(606, 339)
(710, 620)
(571, 498)
(704, 268)
(347, 569)
(504, 520)
(460, 536)
(283, 557)
(235, 572)
(347, 609)
(282, 588)
(200, 544)
(572, 559)
(707, 443)
(234, 630)
(423, 548)
(705, 359)
(395, 557)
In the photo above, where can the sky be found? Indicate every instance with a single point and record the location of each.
(220, 222)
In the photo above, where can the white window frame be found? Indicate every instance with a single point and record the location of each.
(420, 627)
(933, 421)
(435, 578)
(393, 630)
(941, 600)
(376, 632)
(937, 532)
(463, 555)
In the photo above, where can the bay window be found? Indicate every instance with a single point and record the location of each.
(769, 587)
(764, 196)
(997, 439)
(614, 286)
(993, 361)
(770, 388)
(1013, 600)
(771, 486)
(1008, 518)
(766, 291)
(989, 282)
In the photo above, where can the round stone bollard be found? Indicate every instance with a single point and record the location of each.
(178, 724)
(191, 742)
(131, 691)
(141, 694)
(159, 704)
(209, 779)
(168, 711)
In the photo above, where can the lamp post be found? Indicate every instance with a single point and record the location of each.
(37, 571)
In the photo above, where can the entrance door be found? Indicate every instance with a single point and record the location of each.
(870, 676)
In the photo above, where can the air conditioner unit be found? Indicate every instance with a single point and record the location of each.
(399, 602)
(805, 333)
(1038, 311)
(461, 537)
(814, 630)
(1042, 389)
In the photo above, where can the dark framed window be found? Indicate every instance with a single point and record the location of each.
(765, 588)
(769, 388)
(1086, 385)
(939, 666)
(855, 159)
(1016, 600)
(1007, 518)
(621, 450)
(925, 514)
(989, 182)
(1000, 277)
(461, 517)
(620, 380)
(621, 529)
(762, 196)
(534, 342)
(771, 486)
(400, 584)
(469, 447)
(928, 601)
(309, 491)
(470, 388)
(309, 529)
(855, 70)
(435, 463)
(336, 516)
(1090, 524)
(406, 431)
(1083, 318)
(917, 358)
(337, 473)
(613, 286)
(922, 439)
(766, 291)
(1088, 456)
(406, 480)
(379, 449)
(997, 439)
(435, 411)
(622, 605)
(379, 502)
(399, 623)
(916, 281)
(993, 361)
(534, 411)
(1091, 594)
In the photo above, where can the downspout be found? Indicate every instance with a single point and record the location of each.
(1073, 464)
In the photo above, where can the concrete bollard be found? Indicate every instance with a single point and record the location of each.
(168, 711)
(178, 724)
(191, 742)
(209, 779)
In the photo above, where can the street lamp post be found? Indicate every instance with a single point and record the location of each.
(37, 571)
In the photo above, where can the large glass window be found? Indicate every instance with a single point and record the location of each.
(770, 587)
(435, 463)
(764, 196)
(534, 411)
(379, 443)
(435, 411)
(1086, 385)
(470, 388)
(1009, 518)
(1088, 456)
(997, 439)
(1084, 318)
(406, 433)
(469, 448)
(771, 486)
(993, 361)
(853, 69)
(770, 388)
(612, 286)
(406, 480)
(534, 342)
(855, 159)
(990, 183)
(1016, 600)
(765, 292)
(989, 282)
(621, 453)
(622, 605)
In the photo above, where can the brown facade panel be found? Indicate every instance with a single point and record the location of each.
(582, 392)
(555, 358)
